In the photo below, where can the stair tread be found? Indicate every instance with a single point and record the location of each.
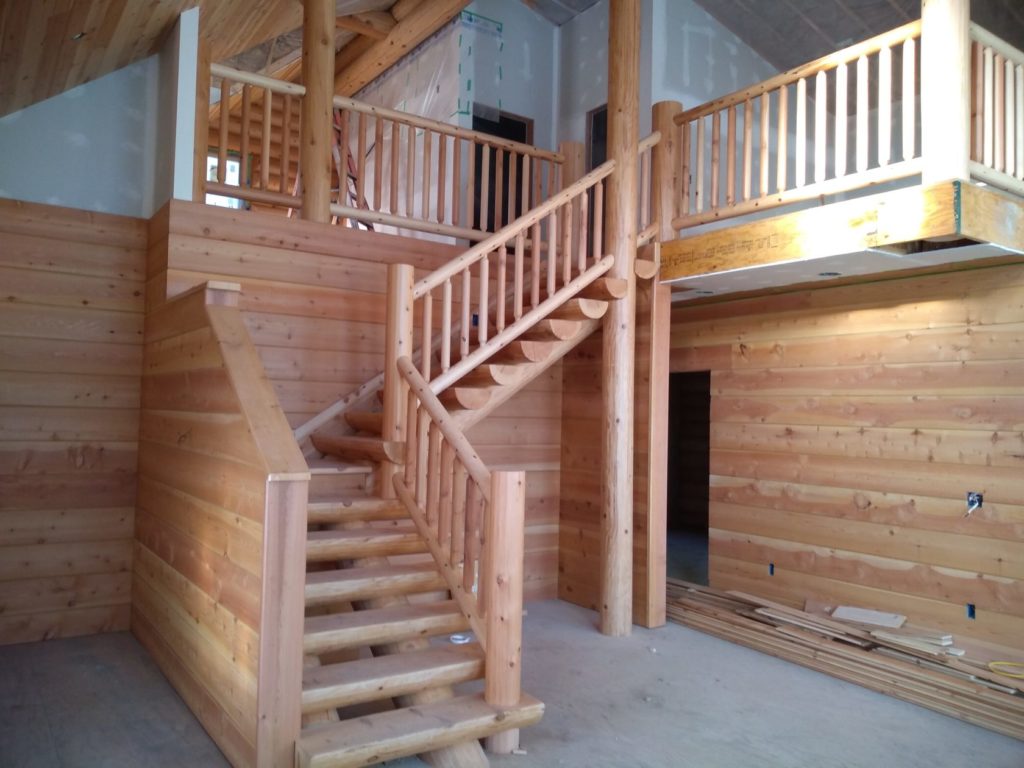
(358, 447)
(389, 735)
(364, 542)
(363, 583)
(331, 466)
(365, 421)
(381, 625)
(384, 677)
(354, 509)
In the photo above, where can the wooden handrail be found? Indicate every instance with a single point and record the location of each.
(997, 44)
(846, 55)
(262, 81)
(343, 102)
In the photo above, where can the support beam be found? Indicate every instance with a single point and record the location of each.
(619, 328)
(945, 90)
(426, 18)
(315, 136)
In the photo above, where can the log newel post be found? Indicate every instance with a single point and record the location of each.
(665, 168)
(398, 341)
(573, 165)
(617, 364)
(317, 106)
(502, 577)
(945, 90)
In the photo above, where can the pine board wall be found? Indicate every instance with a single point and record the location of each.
(70, 360)
(848, 424)
(314, 305)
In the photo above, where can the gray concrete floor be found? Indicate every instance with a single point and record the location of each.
(665, 698)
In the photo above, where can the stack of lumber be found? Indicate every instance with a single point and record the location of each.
(919, 666)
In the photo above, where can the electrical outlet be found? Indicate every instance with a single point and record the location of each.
(974, 502)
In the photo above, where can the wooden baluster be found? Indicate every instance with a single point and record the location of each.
(566, 229)
(360, 160)
(584, 225)
(457, 182)
(730, 156)
(500, 309)
(268, 97)
(884, 106)
(485, 188)
(538, 173)
(458, 525)
(1009, 109)
(645, 191)
(842, 105)
(502, 586)
(442, 176)
(782, 167)
(286, 144)
(699, 192)
(716, 153)
(243, 149)
(552, 250)
(763, 162)
(225, 117)
(517, 307)
(422, 450)
(428, 169)
(525, 183)
(398, 343)
(977, 101)
(499, 189)
(343, 148)
(483, 308)
(513, 186)
(378, 163)
(748, 148)
(535, 265)
(396, 140)
(446, 325)
(800, 142)
(1019, 90)
(998, 117)
(598, 220)
(470, 189)
(988, 146)
(909, 96)
(433, 477)
(471, 542)
(444, 509)
(426, 343)
(410, 174)
(686, 207)
(863, 111)
(820, 126)
(411, 449)
(467, 288)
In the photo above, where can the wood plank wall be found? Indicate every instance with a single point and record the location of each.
(313, 301)
(848, 424)
(70, 360)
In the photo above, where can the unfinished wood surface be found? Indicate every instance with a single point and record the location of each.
(847, 426)
(70, 361)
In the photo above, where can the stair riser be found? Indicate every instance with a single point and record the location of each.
(383, 633)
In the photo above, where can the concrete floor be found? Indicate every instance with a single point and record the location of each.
(658, 699)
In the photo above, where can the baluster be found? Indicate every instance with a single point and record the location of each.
(598, 220)
(458, 525)
(456, 186)
(446, 325)
(820, 126)
(225, 116)
(513, 186)
(535, 266)
(243, 149)
(538, 173)
(442, 172)
(517, 307)
(524, 194)
(411, 450)
(766, 105)
(552, 250)
(684, 172)
(360, 160)
(396, 140)
(909, 95)
(842, 105)
(566, 211)
(584, 225)
(428, 145)
(433, 477)
(863, 108)
(378, 163)
(782, 167)
(645, 191)
(485, 188)
(989, 106)
(426, 345)
(1019, 78)
(286, 144)
(467, 287)
(977, 101)
(748, 148)
(998, 118)
(1010, 110)
(699, 191)
(422, 448)
(801, 133)
(716, 152)
(343, 149)
(410, 175)
(884, 106)
(265, 139)
(499, 316)
(484, 307)
(499, 189)
(730, 156)
(471, 544)
(444, 511)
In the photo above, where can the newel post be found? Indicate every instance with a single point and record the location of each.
(502, 579)
(945, 90)
(665, 168)
(397, 343)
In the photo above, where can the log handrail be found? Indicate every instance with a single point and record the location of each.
(253, 78)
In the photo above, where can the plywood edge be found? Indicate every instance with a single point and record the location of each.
(990, 216)
(852, 226)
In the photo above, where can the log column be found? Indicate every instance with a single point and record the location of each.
(315, 134)
(619, 328)
(945, 89)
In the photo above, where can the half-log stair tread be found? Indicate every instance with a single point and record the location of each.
(358, 447)
(381, 625)
(491, 374)
(371, 422)
(580, 309)
(389, 735)
(331, 466)
(384, 677)
(467, 398)
(349, 584)
(523, 351)
(552, 330)
(364, 509)
(605, 289)
(364, 542)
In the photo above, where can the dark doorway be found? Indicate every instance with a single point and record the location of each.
(597, 136)
(689, 440)
(504, 125)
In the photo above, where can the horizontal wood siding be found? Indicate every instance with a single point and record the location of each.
(70, 359)
(847, 426)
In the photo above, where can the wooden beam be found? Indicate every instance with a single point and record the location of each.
(945, 89)
(360, 27)
(317, 107)
(620, 322)
(425, 19)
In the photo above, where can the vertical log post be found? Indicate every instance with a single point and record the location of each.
(945, 90)
(317, 104)
(573, 168)
(397, 343)
(502, 577)
(620, 322)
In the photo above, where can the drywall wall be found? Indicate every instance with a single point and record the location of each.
(175, 129)
(70, 361)
(847, 426)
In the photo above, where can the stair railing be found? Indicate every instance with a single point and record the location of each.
(473, 521)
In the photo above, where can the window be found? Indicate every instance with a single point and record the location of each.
(232, 175)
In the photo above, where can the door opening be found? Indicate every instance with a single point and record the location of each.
(689, 440)
(504, 125)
